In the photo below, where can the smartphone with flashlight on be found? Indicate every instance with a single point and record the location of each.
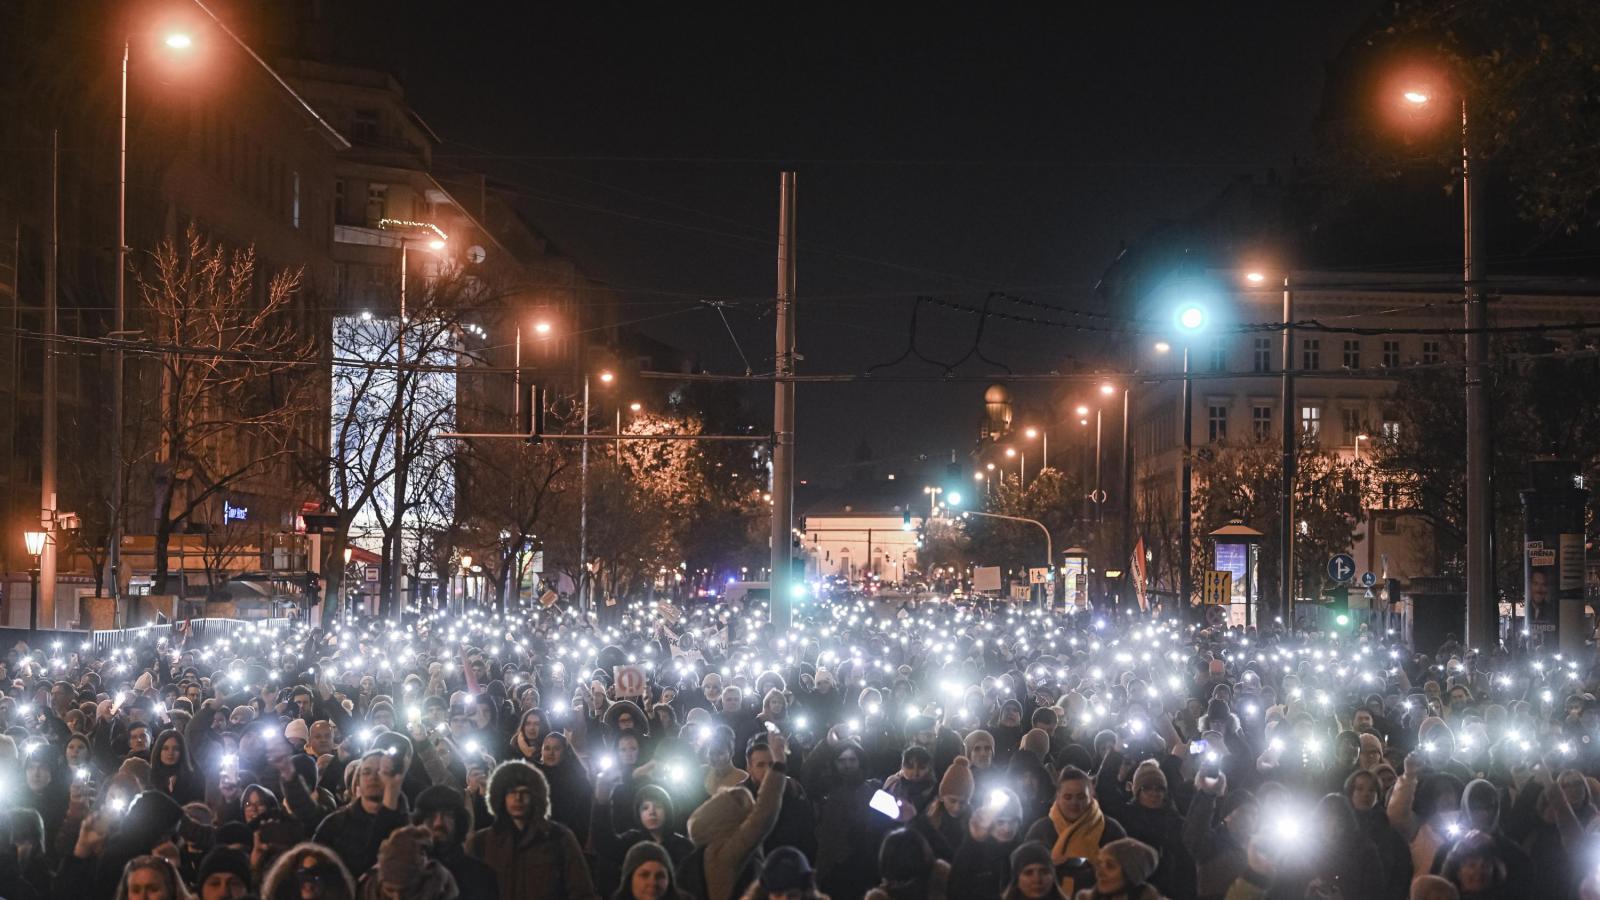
(884, 803)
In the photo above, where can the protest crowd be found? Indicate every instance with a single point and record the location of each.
(887, 751)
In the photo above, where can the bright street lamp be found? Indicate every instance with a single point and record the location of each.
(1191, 317)
(1255, 277)
(542, 329)
(1162, 346)
(35, 541)
(179, 40)
(1415, 97)
(1108, 389)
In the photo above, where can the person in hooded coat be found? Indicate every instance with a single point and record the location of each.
(527, 741)
(626, 716)
(653, 819)
(570, 801)
(405, 869)
(533, 857)
(849, 830)
(443, 810)
(909, 869)
(1481, 804)
(1365, 794)
(94, 867)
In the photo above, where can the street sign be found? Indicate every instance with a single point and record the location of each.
(1368, 579)
(1341, 568)
(1217, 588)
(1038, 576)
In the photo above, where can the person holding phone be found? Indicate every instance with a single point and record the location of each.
(1075, 829)
(982, 866)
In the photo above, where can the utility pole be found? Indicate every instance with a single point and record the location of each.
(1481, 602)
(47, 426)
(783, 412)
(1287, 467)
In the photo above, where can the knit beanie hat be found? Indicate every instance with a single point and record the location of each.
(403, 855)
(296, 730)
(786, 869)
(1036, 741)
(225, 859)
(1035, 853)
(1371, 742)
(643, 852)
(1147, 775)
(957, 780)
(973, 737)
(1136, 858)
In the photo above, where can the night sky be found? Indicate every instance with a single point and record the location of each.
(946, 154)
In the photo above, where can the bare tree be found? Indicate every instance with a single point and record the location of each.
(224, 392)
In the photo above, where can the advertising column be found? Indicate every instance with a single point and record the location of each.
(1553, 556)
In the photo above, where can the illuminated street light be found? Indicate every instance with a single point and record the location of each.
(1162, 346)
(606, 377)
(1011, 452)
(1255, 277)
(1082, 410)
(179, 41)
(1415, 97)
(541, 328)
(1108, 389)
(636, 406)
(1191, 317)
(1032, 433)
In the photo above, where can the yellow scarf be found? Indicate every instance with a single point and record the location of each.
(1073, 839)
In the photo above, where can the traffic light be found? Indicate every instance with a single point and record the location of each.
(1339, 604)
(905, 519)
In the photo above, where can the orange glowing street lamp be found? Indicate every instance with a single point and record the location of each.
(174, 40)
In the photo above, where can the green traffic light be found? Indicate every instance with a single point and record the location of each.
(953, 498)
(1343, 620)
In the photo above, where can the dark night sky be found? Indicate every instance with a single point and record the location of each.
(943, 153)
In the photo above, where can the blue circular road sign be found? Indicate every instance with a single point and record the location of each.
(1341, 568)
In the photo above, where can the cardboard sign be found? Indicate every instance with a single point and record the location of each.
(630, 680)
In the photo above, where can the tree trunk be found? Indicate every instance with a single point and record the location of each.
(163, 539)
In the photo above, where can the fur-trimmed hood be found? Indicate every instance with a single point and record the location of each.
(518, 774)
(641, 724)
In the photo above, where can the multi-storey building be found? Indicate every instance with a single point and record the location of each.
(1345, 382)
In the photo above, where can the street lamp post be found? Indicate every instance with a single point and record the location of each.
(1480, 563)
(1043, 435)
(395, 552)
(119, 319)
(36, 542)
(1191, 319)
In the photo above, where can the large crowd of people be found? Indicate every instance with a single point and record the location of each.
(888, 750)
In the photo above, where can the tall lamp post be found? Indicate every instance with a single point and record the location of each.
(1289, 462)
(1191, 320)
(1044, 446)
(1481, 634)
(606, 378)
(435, 242)
(36, 542)
(177, 41)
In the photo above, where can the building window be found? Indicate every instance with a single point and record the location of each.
(1430, 352)
(1391, 430)
(364, 125)
(1352, 354)
(1263, 354)
(1310, 422)
(1311, 354)
(1261, 422)
(377, 202)
(1391, 495)
(1219, 355)
(1217, 422)
(1352, 425)
(1391, 354)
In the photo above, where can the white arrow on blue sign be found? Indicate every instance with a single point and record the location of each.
(1341, 568)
